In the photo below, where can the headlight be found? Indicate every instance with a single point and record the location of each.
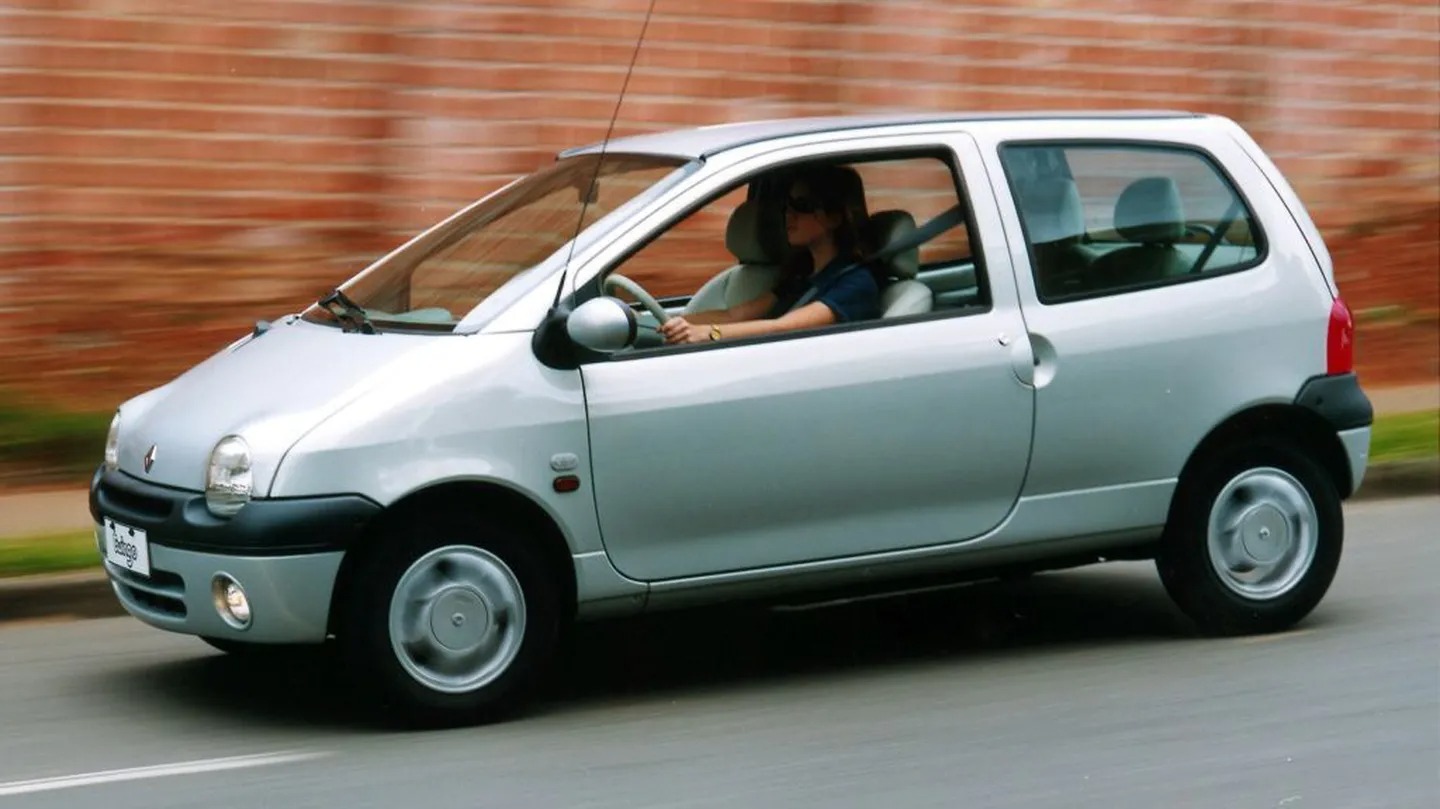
(112, 444)
(228, 481)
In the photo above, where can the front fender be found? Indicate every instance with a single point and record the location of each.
(477, 408)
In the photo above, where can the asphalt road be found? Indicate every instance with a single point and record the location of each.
(1073, 689)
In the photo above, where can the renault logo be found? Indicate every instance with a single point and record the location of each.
(149, 459)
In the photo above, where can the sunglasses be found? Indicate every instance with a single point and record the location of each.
(803, 204)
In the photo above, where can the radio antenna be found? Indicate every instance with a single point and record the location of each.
(592, 190)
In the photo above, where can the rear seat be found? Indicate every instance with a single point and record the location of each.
(1149, 212)
(1056, 226)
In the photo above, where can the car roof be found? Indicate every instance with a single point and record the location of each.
(703, 141)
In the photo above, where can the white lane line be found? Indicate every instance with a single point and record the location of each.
(155, 771)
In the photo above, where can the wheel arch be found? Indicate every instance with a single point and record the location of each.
(1298, 426)
(487, 497)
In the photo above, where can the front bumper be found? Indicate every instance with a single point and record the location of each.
(289, 595)
(178, 518)
(285, 553)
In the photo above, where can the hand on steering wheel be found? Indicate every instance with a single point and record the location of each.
(653, 306)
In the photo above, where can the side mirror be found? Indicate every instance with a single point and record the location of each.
(603, 324)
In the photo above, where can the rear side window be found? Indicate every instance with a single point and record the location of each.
(1105, 219)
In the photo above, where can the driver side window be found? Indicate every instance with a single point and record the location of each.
(750, 254)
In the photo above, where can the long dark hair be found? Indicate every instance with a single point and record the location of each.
(839, 190)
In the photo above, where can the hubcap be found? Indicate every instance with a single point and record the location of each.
(1263, 533)
(457, 618)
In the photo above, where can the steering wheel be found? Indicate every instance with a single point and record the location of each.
(615, 279)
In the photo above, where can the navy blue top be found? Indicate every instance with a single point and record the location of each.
(850, 290)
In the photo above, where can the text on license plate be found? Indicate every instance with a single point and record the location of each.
(127, 547)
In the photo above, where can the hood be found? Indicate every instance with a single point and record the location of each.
(269, 389)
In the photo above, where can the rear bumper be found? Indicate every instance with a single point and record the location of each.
(1339, 399)
(289, 595)
(1342, 403)
(1356, 442)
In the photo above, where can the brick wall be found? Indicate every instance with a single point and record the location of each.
(171, 170)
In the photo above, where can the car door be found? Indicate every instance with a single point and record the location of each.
(1144, 349)
(854, 439)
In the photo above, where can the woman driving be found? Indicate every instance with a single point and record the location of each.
(824, 217)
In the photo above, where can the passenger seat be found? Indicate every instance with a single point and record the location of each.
(904, 295)
(1055, 223)
(758, 243)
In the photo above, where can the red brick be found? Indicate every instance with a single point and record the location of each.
(197, 130)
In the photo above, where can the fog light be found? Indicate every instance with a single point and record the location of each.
(230, 601)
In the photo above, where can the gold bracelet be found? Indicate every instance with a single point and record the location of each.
(714, 332)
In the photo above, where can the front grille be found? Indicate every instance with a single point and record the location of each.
(163, 593)
(154, 507)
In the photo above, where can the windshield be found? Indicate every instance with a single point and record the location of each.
(432, 283)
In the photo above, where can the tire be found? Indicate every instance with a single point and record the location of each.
(450, 622)
(1289, 536)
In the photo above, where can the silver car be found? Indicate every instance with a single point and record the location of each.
(1097, 336)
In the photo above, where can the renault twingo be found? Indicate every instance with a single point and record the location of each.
(1102, 336)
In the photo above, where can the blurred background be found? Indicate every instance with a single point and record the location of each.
(173, 170)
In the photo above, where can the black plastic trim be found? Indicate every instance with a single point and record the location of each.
(1339, 399)
(178, 518)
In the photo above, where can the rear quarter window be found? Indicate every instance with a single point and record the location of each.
(1107, 219)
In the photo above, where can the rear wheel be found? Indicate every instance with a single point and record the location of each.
(451, 622)
(1255, 540)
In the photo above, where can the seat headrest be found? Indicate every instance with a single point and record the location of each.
(1149, 210)
(887, 228)
(1052, 210)
(754, 237)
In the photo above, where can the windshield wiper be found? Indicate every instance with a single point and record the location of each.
(349, 312)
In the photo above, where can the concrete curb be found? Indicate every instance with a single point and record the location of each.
(88, 594)
(1400, 479)
(59, 595)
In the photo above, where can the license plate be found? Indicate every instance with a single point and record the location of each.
(127, 547)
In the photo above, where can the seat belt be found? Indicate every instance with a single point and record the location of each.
(942, 222)
(939, 224)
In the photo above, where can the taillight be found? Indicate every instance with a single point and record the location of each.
(1340, 340)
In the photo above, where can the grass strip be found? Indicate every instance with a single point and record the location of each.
(50, 553)
(1405, 437)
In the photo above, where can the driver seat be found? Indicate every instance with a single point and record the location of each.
(759, 246)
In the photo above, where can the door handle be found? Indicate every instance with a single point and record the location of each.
(1022, 359)
(1046, 362)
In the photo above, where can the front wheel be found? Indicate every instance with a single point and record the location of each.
(1254, 541)
(452, 622)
